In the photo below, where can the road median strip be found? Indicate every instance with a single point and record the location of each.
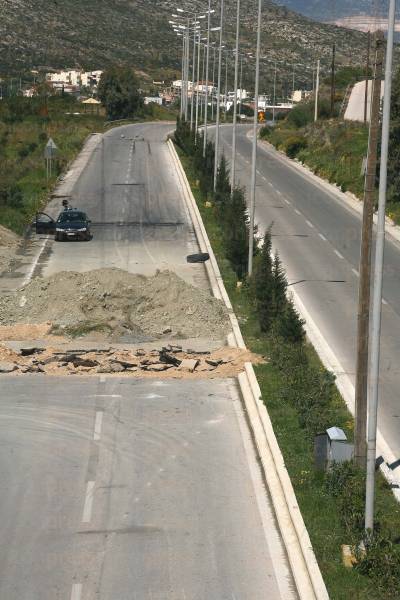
(305, 569)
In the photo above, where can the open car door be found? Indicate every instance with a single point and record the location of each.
(44, 224)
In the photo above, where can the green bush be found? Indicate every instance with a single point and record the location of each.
(381, 564)
(293, 145)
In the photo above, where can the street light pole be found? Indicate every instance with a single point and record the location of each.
(233, 166)
(183, 66)
(378, 279)
(207, 68)
(254, 153)
(213, 85)
(218, 97)
(193, 73)
(316, 93)
(274, 101)
(240, 86)
(198, 83)
(187, 72)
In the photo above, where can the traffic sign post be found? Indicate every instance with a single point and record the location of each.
(50, 152)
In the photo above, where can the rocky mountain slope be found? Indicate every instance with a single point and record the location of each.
(336, 9)
(94, 33)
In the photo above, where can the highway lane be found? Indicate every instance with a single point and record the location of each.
(318, 239)
(129, 489)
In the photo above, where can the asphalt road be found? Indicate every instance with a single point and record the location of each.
(318, 239)
(119, 489)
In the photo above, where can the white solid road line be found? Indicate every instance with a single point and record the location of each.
(356, 272)
(338, 254)
(97, 425)
(87, 509)
(76, 593)
(322, 237)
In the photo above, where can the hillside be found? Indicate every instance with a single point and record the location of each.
(336, 9)
(94, 33)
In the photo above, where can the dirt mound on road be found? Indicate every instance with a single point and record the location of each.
(117, 304)
(9, 242)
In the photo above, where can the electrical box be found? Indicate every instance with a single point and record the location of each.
(332, 447)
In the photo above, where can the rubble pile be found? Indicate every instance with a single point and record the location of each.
(114, 304)
(169, 361)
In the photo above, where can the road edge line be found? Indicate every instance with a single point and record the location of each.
(345, 388)
(350, 201)
(304, 566)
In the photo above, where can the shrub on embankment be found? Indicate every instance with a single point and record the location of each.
(300, 394)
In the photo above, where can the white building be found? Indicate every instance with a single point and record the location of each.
(153, 100)
(75, 78)
(241, 94)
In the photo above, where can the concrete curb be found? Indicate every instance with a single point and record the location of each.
(304, 566)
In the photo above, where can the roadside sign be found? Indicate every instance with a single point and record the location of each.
(50, 150)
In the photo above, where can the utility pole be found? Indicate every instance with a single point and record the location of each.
(333, 80)
(235, 86)
(316, 93)
(378, 279)
(193, 74)
(218, 97)
(364, 289)
(226, 84)
(274, 99)
(254, 152)
(207, 68)
(241, 86)
(366, 78)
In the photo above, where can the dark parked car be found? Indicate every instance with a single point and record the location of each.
(71, 224)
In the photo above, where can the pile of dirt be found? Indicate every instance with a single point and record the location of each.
(9, 242)
(115, 304)
(167, 362)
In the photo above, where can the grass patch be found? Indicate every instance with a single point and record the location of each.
(25, 127)
(320, 509)
(333, 149)
(81, 329)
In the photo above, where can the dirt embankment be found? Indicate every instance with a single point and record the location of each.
(9, 243)
(115, 305)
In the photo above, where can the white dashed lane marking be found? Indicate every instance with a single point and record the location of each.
(310, 224)
(88, 506)
(297, 211)
(355, 272)
(338, 254)
(322, 237)
(98, 425)
(76, 593)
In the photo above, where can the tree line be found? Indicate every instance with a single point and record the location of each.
(268, 284)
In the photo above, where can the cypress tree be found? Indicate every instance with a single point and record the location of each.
(279, 287)
(289, 325)
(235, 226)
(223, 188)
(262, 284)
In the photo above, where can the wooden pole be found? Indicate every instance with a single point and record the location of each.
(333, 80)
(366, 78)
(364, 289)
